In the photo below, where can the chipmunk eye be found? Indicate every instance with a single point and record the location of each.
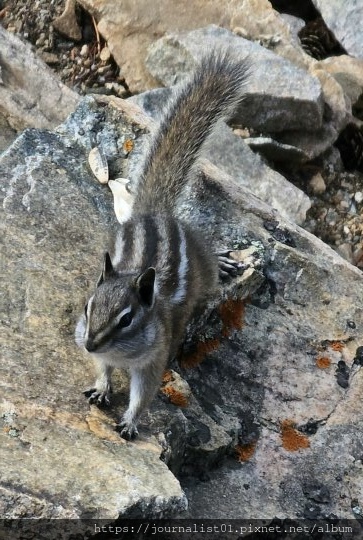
(125, 321)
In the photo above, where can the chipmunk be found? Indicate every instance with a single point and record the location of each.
(160, 269)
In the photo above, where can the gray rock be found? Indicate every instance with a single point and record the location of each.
(311, 144)
(337, 111)
(279, 95)
(272, 367)
(229, 152)
(233, 155)
(30, 94)
(345, 20)
(295, 146)
(348, 72)
(317, 483)
(152, 101)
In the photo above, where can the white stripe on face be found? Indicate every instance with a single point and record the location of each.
(181, 290)
(112, 324)
(89, 306)
(120, 315)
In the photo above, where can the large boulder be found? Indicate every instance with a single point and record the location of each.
(270, 374)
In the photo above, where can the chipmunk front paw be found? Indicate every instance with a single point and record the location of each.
(127, 430)
(227, 266)
(101, 398)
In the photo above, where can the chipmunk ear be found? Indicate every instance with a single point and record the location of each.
(145, 286)
(107, 269)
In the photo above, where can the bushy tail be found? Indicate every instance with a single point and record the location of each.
(212, 93)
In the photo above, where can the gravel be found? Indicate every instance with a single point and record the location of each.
(336, 215)
(85, 65)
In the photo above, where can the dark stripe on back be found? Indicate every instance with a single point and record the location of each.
(152, 235)
(172, 281)
(128, 231)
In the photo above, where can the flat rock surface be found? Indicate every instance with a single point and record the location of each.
(233, 155)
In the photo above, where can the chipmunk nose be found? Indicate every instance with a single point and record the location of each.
(90, 345)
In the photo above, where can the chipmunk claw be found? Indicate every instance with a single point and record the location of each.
(229, 267)
(101, 398)
(127, 430)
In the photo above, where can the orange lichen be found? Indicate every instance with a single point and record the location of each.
(337, 346)
(175, 396)
(128, 145)
(323, 362)
(168, 376)
(244, 452)
(292, 439)
(203, 348)
(231, 313)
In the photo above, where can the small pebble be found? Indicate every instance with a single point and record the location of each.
(317, 184)
(105, 54)
(84, 50)
(49, 58)
(358, 197)
(103, 69)
(98, 163)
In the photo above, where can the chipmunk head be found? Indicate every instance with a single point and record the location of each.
(118, 316)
